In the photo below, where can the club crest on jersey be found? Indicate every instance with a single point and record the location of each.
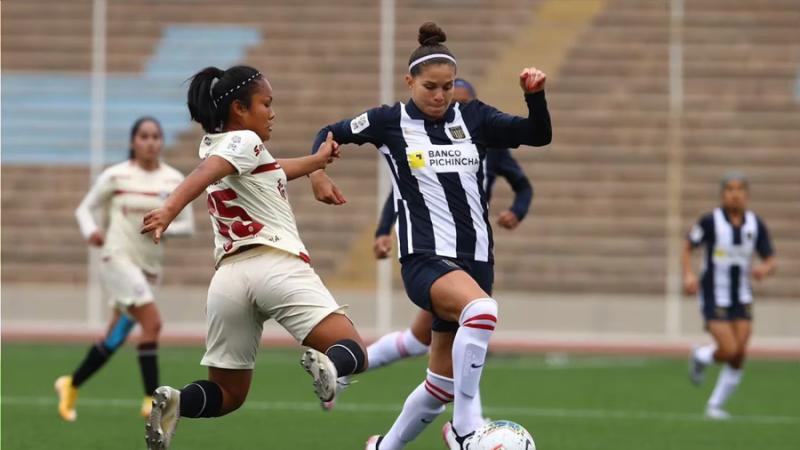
(258, 149)
(416, 160)
(206, 140)
(457, 132)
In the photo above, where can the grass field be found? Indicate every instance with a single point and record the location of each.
(568, 403)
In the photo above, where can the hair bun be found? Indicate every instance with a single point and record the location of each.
(431, 34)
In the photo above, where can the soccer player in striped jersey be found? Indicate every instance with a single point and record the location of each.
(731, 234)
(131, 265)
(263, 268)
(414, 341)
(435, 150)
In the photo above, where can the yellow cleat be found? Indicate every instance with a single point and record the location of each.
(67, 397)
(147, 406)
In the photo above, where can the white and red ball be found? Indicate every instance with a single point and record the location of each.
(503, 435)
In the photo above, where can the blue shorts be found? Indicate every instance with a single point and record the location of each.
(420, 271)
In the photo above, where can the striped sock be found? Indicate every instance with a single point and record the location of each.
(477, 323)
(421, 408)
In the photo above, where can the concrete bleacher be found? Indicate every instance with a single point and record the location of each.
(598, 219)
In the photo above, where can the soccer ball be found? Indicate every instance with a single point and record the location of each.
(503, 435)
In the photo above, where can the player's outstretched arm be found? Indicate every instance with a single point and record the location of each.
(210, 170)
(298, 167)
(507, 130)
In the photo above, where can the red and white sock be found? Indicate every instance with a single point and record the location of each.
(394, 346)
(477, 323)
(421, 408)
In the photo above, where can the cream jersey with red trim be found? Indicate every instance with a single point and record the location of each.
(250, 207)
(123, 194)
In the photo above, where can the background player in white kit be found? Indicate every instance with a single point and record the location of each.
(263, 267)
(131, 264)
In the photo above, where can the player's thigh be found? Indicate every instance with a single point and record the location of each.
(233, 323)
(294, 295)
(421, 326)
(148, 317)
(452, 292)
(440, 357)
(742, 329)
(724, 336)
(333, 328)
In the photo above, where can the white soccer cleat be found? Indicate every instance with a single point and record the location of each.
(373, 442)
(322, 370)
(160, 427)
(453, 441)
(341, 384)
(714, 413)
(696, 369)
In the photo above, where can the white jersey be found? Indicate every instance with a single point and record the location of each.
(250, 207)
(124, 193)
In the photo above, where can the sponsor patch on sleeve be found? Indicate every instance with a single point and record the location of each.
(359, 124)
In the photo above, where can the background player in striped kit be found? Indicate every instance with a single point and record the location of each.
(263, 268)
(435, 150)
(731, 234)
(131, 265)
(414, 341)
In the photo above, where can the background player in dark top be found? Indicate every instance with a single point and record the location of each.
(435, 150)
(731, 235)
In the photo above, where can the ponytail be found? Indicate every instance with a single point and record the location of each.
(212, 91)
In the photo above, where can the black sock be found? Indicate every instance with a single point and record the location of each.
(201, 398)
(95, 359)
(347, 356)
(148, 364)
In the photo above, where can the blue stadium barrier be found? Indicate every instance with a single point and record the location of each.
(45, 115)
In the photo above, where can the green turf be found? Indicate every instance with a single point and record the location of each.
(568, 404)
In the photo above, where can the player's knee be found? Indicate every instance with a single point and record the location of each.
(481, 313)
(726, 353)
(152, 328)
(359, 353)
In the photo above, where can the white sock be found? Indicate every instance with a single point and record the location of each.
(727, 382)
(393, 346)
(705, 354)
(421, 408)
(412, 345)
(477, 323)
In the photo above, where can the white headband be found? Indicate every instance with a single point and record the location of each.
(426, 58)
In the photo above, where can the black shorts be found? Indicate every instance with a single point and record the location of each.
(737, 311)
(420, 271)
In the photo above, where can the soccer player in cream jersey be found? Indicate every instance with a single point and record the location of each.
(131, 264)
(263, 268)
(732, 235)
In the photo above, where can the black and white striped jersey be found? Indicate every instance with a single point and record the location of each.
(729, 252)
(438, 168)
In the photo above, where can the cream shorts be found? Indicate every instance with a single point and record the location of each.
(125, 283)
(250, 288)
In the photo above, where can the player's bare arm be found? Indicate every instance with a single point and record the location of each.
(209, 171)
(298, 167)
